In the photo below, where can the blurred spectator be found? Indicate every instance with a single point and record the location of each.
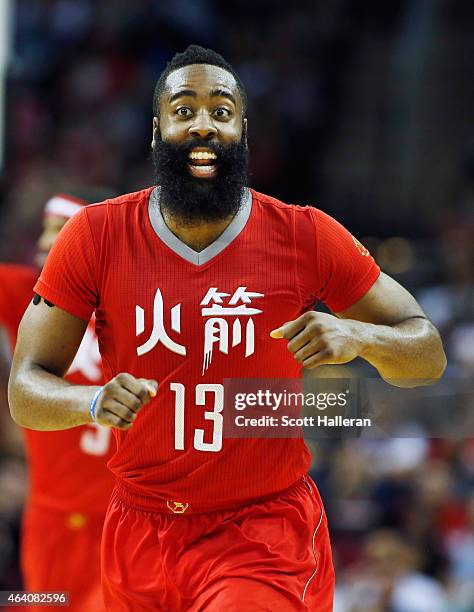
(388, 578)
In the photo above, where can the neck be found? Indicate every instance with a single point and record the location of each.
(198, 235)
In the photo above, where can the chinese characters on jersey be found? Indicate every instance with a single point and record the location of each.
(228, 321)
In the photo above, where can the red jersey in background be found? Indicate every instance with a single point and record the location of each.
(67, 469)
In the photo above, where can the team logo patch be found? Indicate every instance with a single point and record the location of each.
(361, 248)
(177, 507)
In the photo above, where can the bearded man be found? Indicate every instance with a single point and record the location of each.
(197, 280)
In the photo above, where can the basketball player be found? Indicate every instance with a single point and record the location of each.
(194, 281)
(69, 483)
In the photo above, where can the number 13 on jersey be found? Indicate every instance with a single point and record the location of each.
(203, 391)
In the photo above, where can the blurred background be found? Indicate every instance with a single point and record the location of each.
(360, 107)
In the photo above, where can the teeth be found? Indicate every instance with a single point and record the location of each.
(202, 170)
(202, 155)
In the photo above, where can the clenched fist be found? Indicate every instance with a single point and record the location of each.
(122, 398)
(317, 338)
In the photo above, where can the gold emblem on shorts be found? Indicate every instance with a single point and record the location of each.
(76, 520)
(177, 507)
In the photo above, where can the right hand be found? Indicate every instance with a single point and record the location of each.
(121, 400)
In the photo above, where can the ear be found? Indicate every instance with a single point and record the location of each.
(155, 131)
(244, 132)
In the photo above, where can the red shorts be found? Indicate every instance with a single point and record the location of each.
(273, 556)
(61, 552)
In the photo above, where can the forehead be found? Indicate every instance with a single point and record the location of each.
(201, 78)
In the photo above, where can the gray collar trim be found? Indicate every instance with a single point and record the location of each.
(183, 250)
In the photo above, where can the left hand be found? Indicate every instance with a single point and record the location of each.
(317, 338)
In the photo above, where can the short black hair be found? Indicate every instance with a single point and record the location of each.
(195, 54)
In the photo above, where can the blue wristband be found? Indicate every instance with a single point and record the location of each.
(94, 402)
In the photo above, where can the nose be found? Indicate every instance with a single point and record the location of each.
(203, 127)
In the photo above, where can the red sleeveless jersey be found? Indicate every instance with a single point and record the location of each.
(191, 320)
(67, 469)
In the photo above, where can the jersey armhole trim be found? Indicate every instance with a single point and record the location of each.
(295, 248)
(320, 289)
(96, 258)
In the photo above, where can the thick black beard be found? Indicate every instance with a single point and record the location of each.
(193, 200)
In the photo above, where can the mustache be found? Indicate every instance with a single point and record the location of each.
(173, 152)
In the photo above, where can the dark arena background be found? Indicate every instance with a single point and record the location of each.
(362, 108)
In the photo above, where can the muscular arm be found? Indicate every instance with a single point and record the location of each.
(386, 327)
(396, 336)
(48, 339)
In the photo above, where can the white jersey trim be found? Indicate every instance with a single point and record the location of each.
(231, 232)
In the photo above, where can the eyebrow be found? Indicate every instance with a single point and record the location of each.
(181, 94)
(221, 93)
(215, 93)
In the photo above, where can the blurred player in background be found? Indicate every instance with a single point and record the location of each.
(69, 483)
(192, 282)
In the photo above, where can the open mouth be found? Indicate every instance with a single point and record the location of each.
(202, 163)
